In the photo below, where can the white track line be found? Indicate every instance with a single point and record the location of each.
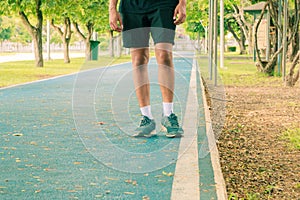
(186, 177)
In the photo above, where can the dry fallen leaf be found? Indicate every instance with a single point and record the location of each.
(112, 179)
(167, 174)
(18, 134)
(146, 198)
(128, 181)
(33, 143)
(48, 169)
(162, 181)
(134, 183)
(129, 193)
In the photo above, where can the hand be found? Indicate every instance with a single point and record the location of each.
(179, 13)
(115, 20)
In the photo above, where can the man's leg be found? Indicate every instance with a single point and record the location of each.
(166, 78)
(140, 59)
(164, 57)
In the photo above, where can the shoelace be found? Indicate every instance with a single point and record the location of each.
(173, 120)
(145, 121)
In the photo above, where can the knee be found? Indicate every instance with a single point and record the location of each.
(140, 59)
(164, 57)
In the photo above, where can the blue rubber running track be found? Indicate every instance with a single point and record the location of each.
(69, 138)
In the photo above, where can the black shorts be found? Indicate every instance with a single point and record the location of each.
(137, 28)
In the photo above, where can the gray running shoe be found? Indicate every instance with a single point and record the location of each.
(171, 126)
(146, 128)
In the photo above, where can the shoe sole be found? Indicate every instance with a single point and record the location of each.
(170, 135)
(151, 134)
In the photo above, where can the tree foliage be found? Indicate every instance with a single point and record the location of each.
(91, 16)
(59, 14)
(87, 17)
(197, 17)
(5, 29)
(31, 15)
(11, 29)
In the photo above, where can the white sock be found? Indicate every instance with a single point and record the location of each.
(146, 111)
(168, 108)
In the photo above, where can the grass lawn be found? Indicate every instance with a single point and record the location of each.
(244, 73)
(12, 73)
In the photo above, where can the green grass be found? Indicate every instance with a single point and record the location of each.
(12, 73)
(293, 136)
(239, 72)
(249, 196)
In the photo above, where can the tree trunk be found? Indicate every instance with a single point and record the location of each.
(88, 54)
(261, 65)
(66, 45)
(38, 48)
(65, 35)
(242, 44)
(291, 79)
(36, 33)
(250, 42)
(86, 39)
(294, 23)
(246, 29)
(240, 41)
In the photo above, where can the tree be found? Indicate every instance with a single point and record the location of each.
(294, 24)
(237, 26)
(13, 30)
(236, 21)
(293, 77)
(26, 9)
(269, 66)
(197, 18)
(239, 23)
(65, 33)
(91, 16)
(59, 13)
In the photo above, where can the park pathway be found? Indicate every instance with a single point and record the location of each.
(69, 138)
(13, 57)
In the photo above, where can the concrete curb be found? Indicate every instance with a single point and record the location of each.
(218, 176)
